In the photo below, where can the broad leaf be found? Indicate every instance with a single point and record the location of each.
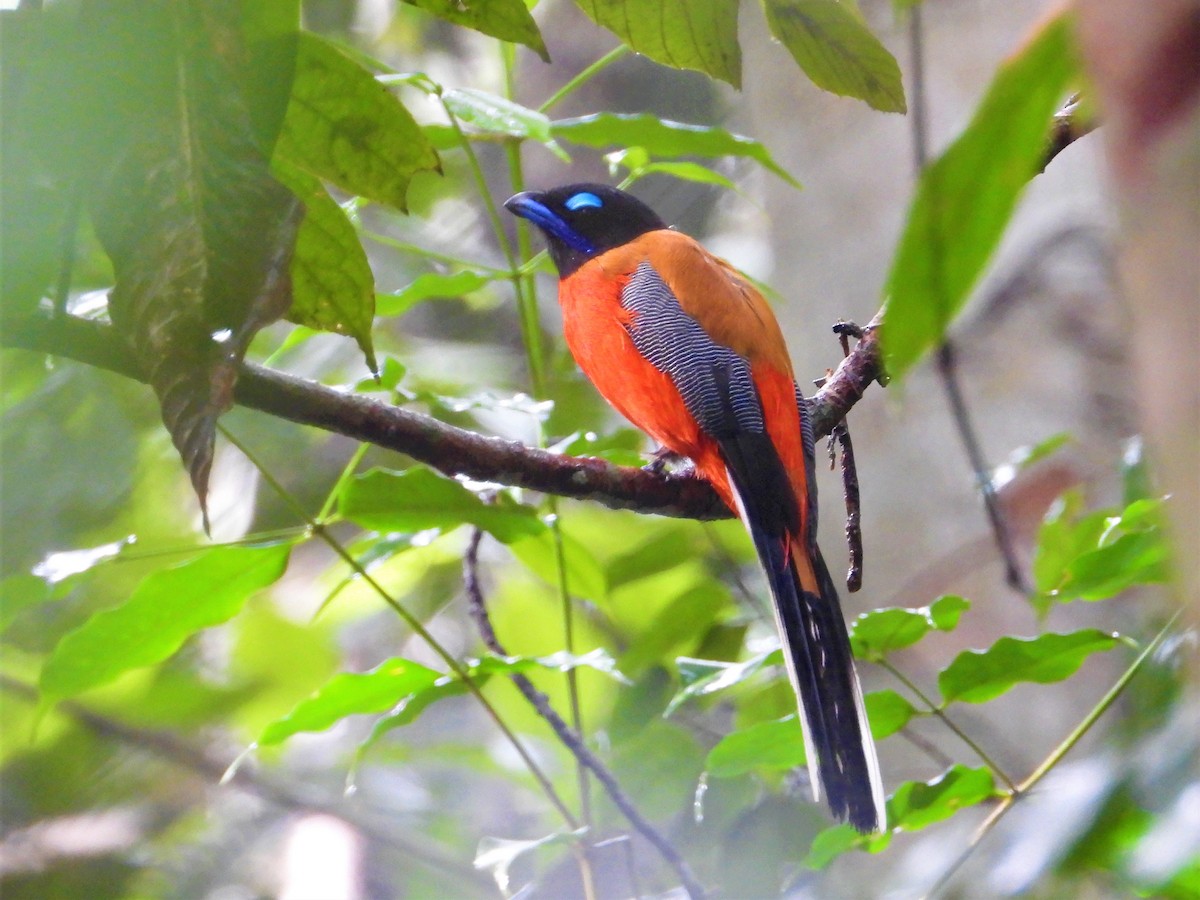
(166, 609)
(831, 43)
(919, 804)
(333, 288)
(976, 676)
(345, 127)
(685, 34)
(199, 233)
(966, 197)
(418, 499)
(875, 634)
(376, 691)
(508, 20)
(663, 138)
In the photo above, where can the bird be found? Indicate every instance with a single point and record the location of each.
(689, 351)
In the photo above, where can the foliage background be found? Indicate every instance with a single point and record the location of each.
(119, 794)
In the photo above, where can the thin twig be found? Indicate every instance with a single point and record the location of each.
(569, 738)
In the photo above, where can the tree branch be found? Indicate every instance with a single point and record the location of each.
(454, 451)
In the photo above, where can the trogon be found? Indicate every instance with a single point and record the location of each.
(686, 349)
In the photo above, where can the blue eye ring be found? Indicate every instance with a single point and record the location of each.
(582, 200)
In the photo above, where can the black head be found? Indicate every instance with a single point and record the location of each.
(583, 220)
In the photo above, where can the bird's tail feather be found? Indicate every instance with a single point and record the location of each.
(816, 648)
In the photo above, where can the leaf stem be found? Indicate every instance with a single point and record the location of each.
(940, 713)
(585, 76)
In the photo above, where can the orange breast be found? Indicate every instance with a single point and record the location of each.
(594, 323)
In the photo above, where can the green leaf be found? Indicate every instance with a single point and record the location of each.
(875, 634)
(491, 114)
(345, 694)
(508, 20)
(685, 34)
(418, 499)
(166, 609)
(831, 43)
(779, 744)
(763, 745)
(429, 286)
(832, 843)
(966, 197)
(919, 804)
(333, 288)
(663, 138)
(976, 676)
(1098, 555)
(706, 676)
(887, 712)
(346, 128)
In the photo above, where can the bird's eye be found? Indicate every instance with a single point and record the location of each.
(582, 200)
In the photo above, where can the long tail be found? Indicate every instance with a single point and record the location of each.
(816, 647)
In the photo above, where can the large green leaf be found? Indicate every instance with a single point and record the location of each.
(686, 34)
(966, 197)
(875, 634)
(831, 43)
(663, 138)
(418, 499)
(166, 609)
(333, 288)
(976, 676)
(508, 20)
(345, 127)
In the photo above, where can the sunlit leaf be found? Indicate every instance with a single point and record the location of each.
(976, 676)
(685, 34)
(875, 634)
(333, 288)
(166, 609)
(663, 138)
(831, 43)
(430, 286)
(966, 197)
(418, 499)
(508, 20)
(919, 804)
(345, 127)
(492, 114)
(350, 694)
(706, 676)
(779, 744)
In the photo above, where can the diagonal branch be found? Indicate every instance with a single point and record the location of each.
(454, 451)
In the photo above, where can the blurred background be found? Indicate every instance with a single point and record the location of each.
(122, 796)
